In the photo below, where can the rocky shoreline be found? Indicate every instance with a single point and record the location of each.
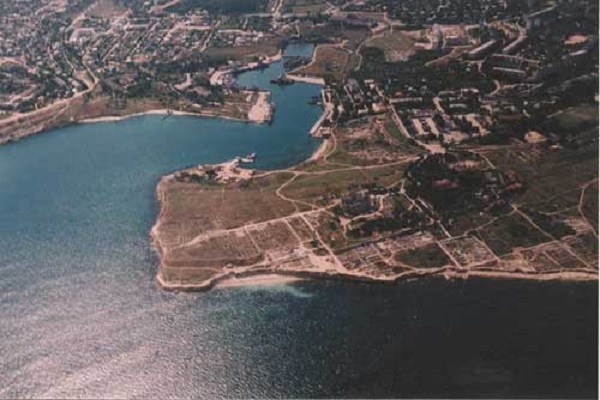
(258, 270)
(446, 273)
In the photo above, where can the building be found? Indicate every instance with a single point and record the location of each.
(483, 50)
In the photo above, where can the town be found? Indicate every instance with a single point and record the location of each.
(459, 137)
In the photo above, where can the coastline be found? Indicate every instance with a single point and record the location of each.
(297, 76)
(44, 126)
(305, 79)
(273, 276)
(264, 274)
(159, 111)
(35, 130)
(259, 280)
(319, 151)
(216, 79)
(255, 274)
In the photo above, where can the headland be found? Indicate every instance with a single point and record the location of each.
(222, 223)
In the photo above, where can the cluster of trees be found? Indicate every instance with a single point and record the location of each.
(399, 218)
(554, 226)
(449, 191)
(220, 6)
(454, 75)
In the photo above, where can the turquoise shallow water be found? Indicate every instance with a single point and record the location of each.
(82, 315)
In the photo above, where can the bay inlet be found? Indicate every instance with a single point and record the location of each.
(82, 314)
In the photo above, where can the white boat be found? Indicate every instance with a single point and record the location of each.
(249, 158)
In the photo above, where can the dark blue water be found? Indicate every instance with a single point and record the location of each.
(82, 316)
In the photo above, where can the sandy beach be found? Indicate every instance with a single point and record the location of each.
(320, 151)
(267, 279)
(245, 277)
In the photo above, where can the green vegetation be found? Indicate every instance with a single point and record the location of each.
(304, 6)
(454, 191)
(315, 187)
(454, 75)
(343, 157)
(428, 256)
(267, 183)
(590, 205)
(577, 118)
(399, 218)
(395, 45)
(405, 144)
(552, 177)
(550, 224)
(509, 232)
(221, 6)
(329, 63)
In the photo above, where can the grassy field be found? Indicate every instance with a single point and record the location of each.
(553, 178)
(244, 53)
(311, 188)
(590, 204)
(329, 62)
(371, 141)
(221, 6)
(576, 116)
(326, 32)
(402, 141)
(106, 9)
(509, 232)
(192, 229)
(226, 208)
(428, 256)
(395, 45)
(304, 6)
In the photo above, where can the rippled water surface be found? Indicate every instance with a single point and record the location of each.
(81, 315)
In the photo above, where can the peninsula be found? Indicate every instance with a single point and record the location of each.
(455, 149)
(376, 223)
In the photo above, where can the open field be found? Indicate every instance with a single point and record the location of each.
(577, 116)
(222, 6)
(322, 189)
(227, 210)
(509, 232)
(428, 256)
(351, 213)
(106, 9)
(589, 206)
(371, 141)
(585, 246)
(329, 62)
(553, 178)
(467, 250)
(268, 48)
(328, 33)
(303, 6)
(395, 45)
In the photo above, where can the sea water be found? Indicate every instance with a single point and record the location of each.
(82, 316)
